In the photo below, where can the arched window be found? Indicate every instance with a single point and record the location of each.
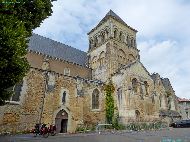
(146, 87)
(94, 62)
(120, 36)
(135, 43)
(127, 40)
(160, 100)
(132, 42)
(95, 42)
(121, 57)
(131, 58)
(134, 84)
(115, 33)
(102, 58)
(119, 95)
(102, 37)
(106, 34)
(64, 97)
(137, 115)
(17, 92)
(95, 99)
(91, 43)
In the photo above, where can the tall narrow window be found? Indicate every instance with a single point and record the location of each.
(134, 84)
(64, 97)
(120, 36)
(146, 87)
(119, 95)
(115, 33)
(95, 42)
(95, 99)
(101, 58)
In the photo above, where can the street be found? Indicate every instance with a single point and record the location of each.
(166, 135)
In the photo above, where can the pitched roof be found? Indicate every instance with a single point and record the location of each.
(56, 49)
(183, 100)
(131, 64)
(114, 16)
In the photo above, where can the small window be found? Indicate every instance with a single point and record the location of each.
(67, 71)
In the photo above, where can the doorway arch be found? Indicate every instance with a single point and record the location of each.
(61, 121)
(137, 115)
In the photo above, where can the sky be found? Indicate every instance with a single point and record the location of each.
(163, 36)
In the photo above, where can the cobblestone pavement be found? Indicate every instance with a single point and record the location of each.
(166, 135)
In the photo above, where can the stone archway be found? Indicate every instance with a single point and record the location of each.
(61, 121)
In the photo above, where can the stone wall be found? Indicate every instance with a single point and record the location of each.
(42, 105)
(58, 66)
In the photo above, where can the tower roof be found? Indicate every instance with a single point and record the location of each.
(114, 16)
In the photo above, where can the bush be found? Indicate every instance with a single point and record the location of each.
(144, 126)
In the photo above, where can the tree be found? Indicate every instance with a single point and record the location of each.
(17, 20)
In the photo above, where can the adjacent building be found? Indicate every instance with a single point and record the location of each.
(184, 108)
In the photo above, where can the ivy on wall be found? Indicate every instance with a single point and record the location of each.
(109, 90)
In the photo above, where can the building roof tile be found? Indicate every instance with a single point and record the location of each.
(56, 49)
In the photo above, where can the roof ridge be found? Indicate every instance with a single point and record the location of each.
(59, 42)
(115, 17)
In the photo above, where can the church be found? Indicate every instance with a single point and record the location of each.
(65, 86)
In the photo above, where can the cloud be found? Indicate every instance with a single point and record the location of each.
(169, 60)
(163, 31)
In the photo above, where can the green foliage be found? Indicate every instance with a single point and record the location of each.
(17, 20)
(109, 90)
(145, 126)
(116, 123)
(85, 128)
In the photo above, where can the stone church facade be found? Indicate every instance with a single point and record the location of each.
(65, 86)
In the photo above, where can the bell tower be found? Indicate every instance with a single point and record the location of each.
(112, 45)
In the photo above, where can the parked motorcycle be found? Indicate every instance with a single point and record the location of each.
(41, 130)
(52, 130)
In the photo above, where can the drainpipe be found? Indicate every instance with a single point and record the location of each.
(44, 95)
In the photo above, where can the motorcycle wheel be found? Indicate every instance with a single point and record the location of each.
(35, 134)
(45, 135)
(53, 133)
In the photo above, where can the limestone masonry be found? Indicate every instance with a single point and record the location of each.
(65, 86)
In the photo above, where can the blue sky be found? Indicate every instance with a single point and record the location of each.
(163, 36)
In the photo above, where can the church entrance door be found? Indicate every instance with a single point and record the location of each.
(61, 121)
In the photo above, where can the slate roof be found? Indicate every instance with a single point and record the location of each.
(56, 49)
(114, 16)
